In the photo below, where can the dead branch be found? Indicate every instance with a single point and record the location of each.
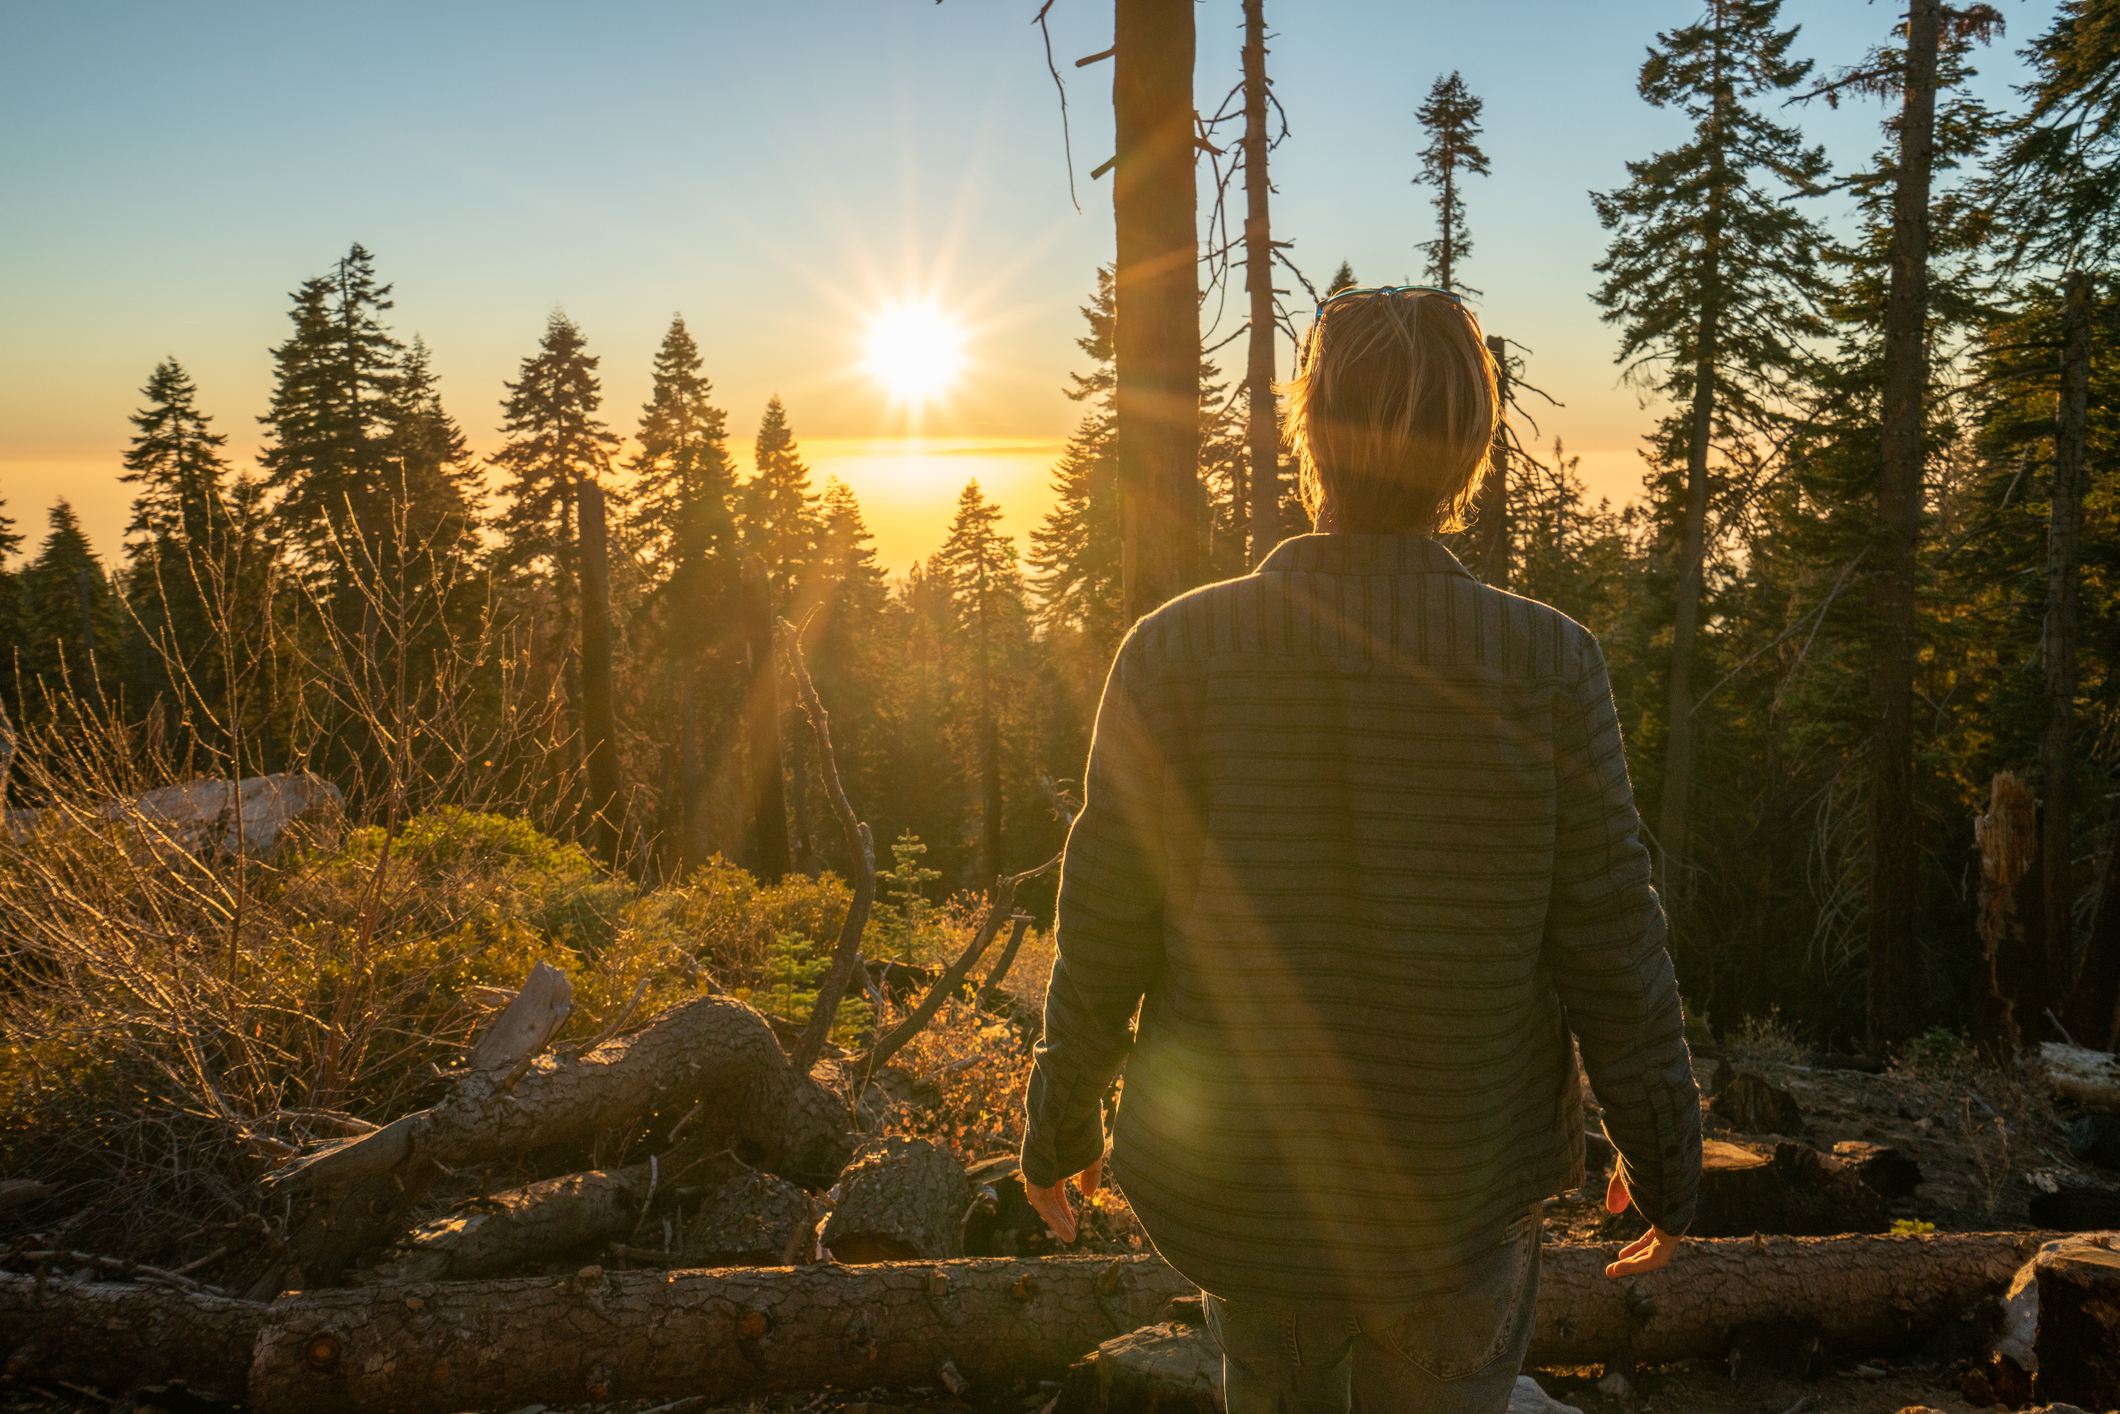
(860, 849)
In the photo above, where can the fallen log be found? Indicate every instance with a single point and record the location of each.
(449, 1346)
(2079, 1354)
(101, 1333)
(522, 1225)
(364, 1209)
(633, 1335)
(2088, 1077)
(901, 1199)
(1860, 1294)
(753, 1220)
(712, 1048)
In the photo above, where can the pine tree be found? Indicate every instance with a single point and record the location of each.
(780, 523)
(10, 604)
(175, 537)
(1715, 283)
(978, 563)
(71, 629)
(335, 411)
(2056, 182)
(556, 444)
(1451, 117)
(685, 484)
(1342, 279)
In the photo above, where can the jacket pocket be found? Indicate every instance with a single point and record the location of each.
(1463, 1336)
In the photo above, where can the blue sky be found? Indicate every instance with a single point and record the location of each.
(775, 172)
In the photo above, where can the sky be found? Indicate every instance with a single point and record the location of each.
(779, 174)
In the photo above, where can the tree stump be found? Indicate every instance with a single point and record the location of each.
(753, 1220)
(1167, 1369)
(900, 1199)
(1795, 1191)
(1892, 1173)
(2079, 1323)
(1752, 1105)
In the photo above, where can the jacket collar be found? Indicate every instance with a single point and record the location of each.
(1362, 554)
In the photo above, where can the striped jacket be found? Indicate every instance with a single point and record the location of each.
(1358, 843)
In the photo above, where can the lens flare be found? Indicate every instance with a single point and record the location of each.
(915, 352)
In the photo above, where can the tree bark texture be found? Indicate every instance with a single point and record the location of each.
(1894, 981)
(111, 1333)
(1156, 339)
(1263, 432)
(713, 1048)
(1673, 818)
(2010, 987)
(632, 1335)
(2094, 1009)
(599, 719)
(2079, 1324)
(363, 1205)
(2064, 558)
(498, 1344)
(750, 1221)
(769, 806)
(1493, 514)
(900, 1199)
(525, 1224)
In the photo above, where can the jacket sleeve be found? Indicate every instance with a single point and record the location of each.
(1109, 937)
(1604, 942)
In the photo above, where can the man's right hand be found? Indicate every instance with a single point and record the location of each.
(1645, 1253)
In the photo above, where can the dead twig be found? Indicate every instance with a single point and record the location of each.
(861, 850)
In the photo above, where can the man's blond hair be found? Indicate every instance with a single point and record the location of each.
(1393, 412)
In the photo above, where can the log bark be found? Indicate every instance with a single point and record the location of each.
(2079, 1324)
(361, 1208)
(2010, 983)
(715, 1048)
(753, 1220)
(636, 1335)
(528, 1224)
(900, 1199)
(2088, 1077)
(100, 1332)
(497, 1344)
(1793, 1190)
(1865, 1294)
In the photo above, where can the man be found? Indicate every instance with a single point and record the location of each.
(1359, 845)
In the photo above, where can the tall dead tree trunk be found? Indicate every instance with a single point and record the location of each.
(1895, 861)
(1156, 341)
(1672, 819)
(1493, 521)
(2064, 557)
(769, 806)
(2010, 983)
(599, 719)
(1263, 433)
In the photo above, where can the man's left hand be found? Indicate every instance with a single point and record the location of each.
(1052, 1201)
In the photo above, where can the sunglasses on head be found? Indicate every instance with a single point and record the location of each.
(1451, 295)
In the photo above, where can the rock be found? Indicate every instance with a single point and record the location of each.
(203, 817)
(2095, 1139)
(1172, 1368)
(2078, 1344)
(1166, 1369)
(750, 1221)
(1893, 1173)
(1528, 1398)
(1752, 1105)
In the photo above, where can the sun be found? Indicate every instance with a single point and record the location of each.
(915, 351)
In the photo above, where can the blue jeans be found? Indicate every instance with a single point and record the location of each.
(1454, 1355)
